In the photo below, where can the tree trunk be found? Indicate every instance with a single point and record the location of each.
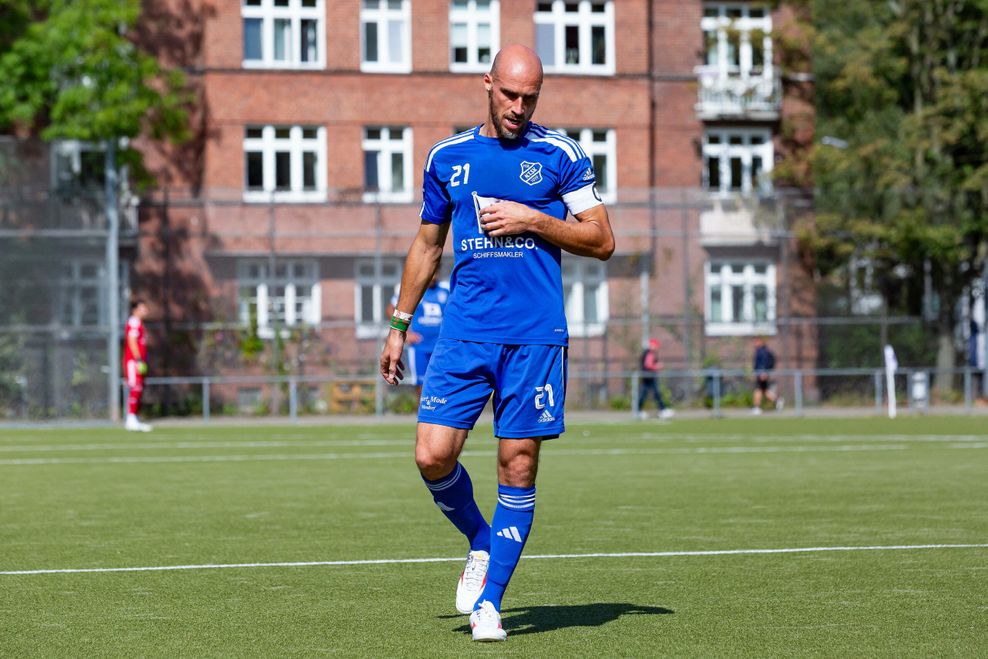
(945, 356)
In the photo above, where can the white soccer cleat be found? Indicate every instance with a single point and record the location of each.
(667, 413)
(472, 581)
(756, 410)
(485, 623)
(134, 425)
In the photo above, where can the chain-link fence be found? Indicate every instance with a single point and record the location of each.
(280, 305)
(56, 330)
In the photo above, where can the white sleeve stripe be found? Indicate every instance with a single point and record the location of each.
(575, 144)
(561, 144)
(456, 139)
(580, 200)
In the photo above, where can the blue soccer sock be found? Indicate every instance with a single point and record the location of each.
(510, 527)
(453, 495)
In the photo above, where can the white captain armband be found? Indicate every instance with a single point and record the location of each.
(583, 199)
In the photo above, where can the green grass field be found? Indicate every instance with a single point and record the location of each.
(865, 495)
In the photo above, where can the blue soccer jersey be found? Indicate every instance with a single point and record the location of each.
(505, 289)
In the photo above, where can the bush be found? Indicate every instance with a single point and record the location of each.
(620, 402)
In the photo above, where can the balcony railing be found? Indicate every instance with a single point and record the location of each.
(733, 96)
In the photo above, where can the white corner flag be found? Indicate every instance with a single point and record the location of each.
(891, 364)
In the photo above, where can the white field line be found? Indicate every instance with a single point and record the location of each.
(302, 457)
(302, 442)
(155, 446)
(397, 561)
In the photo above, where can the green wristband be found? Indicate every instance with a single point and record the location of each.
(399, 324)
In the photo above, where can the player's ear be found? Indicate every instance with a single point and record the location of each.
(488, 82)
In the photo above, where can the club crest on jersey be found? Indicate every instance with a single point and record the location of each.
(531, 172)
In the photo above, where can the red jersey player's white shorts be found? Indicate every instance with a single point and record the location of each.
(135, 381)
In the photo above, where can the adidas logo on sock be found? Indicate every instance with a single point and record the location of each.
(510, 533)
(546, 417)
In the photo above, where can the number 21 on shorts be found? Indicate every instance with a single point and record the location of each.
(542, 394)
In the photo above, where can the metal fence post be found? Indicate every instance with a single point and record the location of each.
(798, 384)
(635, 384)
(378, 397)
(293, 399)
(968, 400)
(878, 392)
(205, 399)
(716, 387)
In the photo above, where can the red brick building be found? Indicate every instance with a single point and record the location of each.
(293, 206)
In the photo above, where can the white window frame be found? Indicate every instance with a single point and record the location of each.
(382, 15)
(386, 146)
(296, 144)
(745, 152)
(268, 14)
(70, 282)
(67, 162)
(577, 275)
(472, 17)
(587, 137)
(304, 286)
(744, 24)
(739, 322)
(862, 289)
(382, 288)
(585, 20)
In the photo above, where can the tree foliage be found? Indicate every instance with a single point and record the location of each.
(901, 162)
(69, 70)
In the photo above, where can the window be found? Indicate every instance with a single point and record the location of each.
(737, 39)
(278, 293)
(283, 33)
(863, 286)
(474, 34)
(600, 146)
(284, 163)
(385, 36)
(78, 298)
(387, 164)
(372, 294)
(575, 37)
(737, 160)
(78, 165)
(740, 297)
(585, 294)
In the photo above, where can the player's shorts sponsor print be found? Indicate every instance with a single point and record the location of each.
(528, 382)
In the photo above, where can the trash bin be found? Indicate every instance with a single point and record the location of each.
(919, 390)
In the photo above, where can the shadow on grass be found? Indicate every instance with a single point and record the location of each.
(537, 619)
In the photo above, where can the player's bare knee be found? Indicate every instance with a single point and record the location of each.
(433, 464)
(519, 471)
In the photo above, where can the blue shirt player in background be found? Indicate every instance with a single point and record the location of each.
(505, 189)
(423, 331)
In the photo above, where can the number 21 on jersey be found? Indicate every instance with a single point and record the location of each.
(460, 170)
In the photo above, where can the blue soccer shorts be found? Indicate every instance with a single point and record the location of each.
(528, 383)
(417, 359)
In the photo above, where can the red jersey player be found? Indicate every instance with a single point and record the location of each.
(135, 364)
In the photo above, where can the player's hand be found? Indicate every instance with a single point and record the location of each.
(507, 218)
(392, 367)
(142, 368)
